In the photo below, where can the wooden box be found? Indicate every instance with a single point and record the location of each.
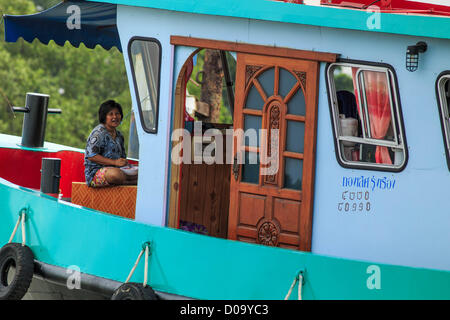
(118, 200)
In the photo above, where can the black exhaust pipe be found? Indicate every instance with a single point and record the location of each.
(35, 119)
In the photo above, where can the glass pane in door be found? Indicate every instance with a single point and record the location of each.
(287, 82)
(252, 126)
(295, 136)
(296, 105)
(293, 171)
(250, 169)
(267, 81)
(254, 100)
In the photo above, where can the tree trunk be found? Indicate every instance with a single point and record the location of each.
(212, 84)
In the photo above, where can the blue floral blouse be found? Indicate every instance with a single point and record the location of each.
(101, 142)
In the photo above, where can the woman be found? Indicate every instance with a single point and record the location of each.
(105, 151)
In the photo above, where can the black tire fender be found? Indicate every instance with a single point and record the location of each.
(22, 258)
(134, 291)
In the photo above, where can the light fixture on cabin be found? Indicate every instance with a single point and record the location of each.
(412, 55)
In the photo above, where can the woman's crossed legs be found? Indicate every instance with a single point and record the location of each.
(112, 176)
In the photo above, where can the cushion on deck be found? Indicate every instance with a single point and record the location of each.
(118, 200)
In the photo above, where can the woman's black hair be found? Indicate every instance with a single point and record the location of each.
(106, 107)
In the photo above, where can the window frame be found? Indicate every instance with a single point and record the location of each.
(445, 127)
(138, 101)
(398, 124)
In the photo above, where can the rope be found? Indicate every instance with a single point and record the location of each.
(146, 249)
(146, 265)
(21, 219)
(299, 279)
(15, 229)
(134, 267)
(23, 229)
(300, 285)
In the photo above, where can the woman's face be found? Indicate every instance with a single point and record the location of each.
(113, 118)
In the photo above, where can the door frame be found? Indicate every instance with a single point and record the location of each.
(175, 177)
(254, 49)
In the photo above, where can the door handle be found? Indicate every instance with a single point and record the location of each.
(235, 167)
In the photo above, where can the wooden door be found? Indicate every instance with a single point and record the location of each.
(274, 208)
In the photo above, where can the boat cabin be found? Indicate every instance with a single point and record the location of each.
(329, 132)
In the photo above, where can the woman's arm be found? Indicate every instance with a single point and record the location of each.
(108, 162)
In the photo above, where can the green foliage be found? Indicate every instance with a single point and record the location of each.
(343, 79)
(78, 80)
(45, 4)
(343, 82)
(16, 7)
(194, 88)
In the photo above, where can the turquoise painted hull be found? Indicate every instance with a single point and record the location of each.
(192, 265)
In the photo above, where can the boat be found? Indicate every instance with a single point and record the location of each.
(340, 194)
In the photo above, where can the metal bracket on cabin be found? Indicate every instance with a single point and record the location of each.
(147, 244)
(302, 274)
(24, 211)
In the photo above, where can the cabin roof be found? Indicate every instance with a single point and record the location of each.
(323, 16)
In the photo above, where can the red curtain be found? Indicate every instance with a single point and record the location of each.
(379, 108)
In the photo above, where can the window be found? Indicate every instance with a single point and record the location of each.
(145, 55)
(444, 108)
(366, 116)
